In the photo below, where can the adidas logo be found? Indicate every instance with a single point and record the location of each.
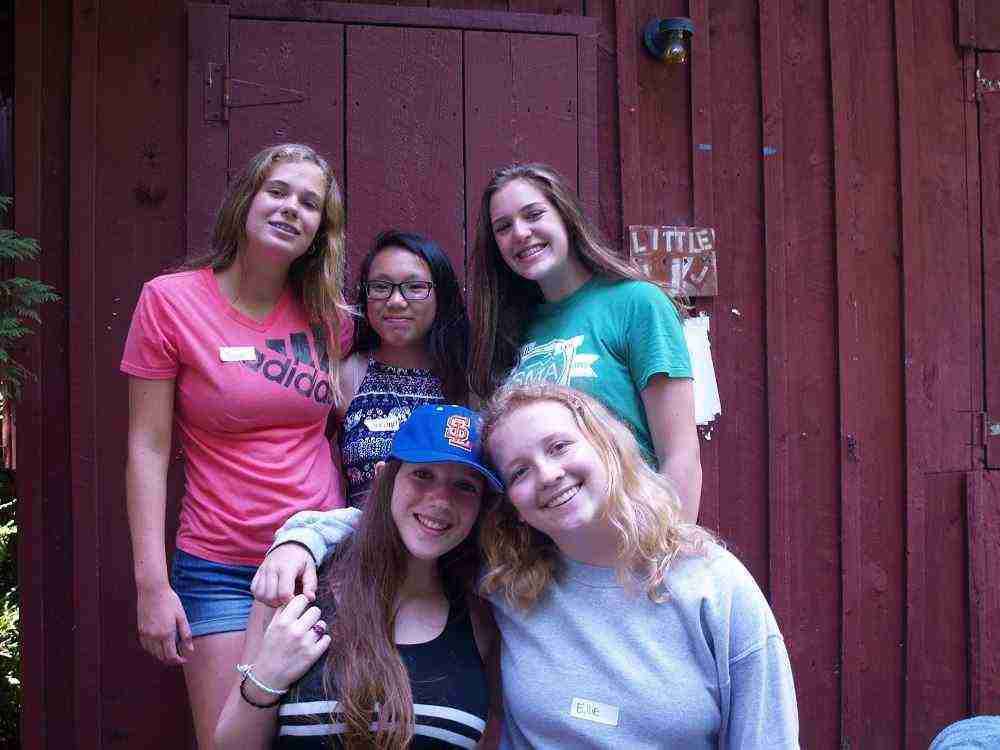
(303, 370)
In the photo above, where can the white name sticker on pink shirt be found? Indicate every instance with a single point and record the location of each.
(237, 354)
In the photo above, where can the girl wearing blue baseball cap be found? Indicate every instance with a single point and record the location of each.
(391, 653)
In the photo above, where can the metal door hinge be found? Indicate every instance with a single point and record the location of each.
(223, 93)
(985, 429)
(986, 85)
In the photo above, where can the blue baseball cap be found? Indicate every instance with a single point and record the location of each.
(439, 433)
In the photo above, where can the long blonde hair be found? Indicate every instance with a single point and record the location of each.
(643, 507)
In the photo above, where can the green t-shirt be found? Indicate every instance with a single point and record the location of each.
(607, 339)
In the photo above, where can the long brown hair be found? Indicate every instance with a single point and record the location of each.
(643, 507)
(363, 666)
(504, 301)
(317, 277)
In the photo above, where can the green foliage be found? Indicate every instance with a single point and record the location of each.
(19, 300)
(10, 646)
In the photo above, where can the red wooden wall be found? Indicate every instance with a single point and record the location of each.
(834, 145)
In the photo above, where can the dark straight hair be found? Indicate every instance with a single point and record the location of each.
(448, 338)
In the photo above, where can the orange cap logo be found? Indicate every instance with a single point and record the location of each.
(456, 432)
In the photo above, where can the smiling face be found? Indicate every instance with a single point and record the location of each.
(555, 478)
(434, 506)
(400, 323)
(287, 210)
(533, 240)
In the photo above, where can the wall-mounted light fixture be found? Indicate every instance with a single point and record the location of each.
(669, 39)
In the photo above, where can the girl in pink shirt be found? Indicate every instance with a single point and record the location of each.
(241, 350)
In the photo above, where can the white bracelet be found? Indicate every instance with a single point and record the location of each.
(247, 671)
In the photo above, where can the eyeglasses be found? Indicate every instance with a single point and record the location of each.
(411, 290)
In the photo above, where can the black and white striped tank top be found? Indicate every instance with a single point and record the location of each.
(450, 696)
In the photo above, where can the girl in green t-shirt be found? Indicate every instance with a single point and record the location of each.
(534, 250)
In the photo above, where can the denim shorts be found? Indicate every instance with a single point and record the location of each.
(216, 597)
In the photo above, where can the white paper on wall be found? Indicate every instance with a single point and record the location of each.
(707, 405)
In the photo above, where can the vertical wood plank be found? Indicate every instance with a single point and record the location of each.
(404, 135)
(608, 161)
(664, 125)
(738, 326)
(988, 142)
(976, 232)
(778, 391)
(967, 22)
(139, 208)
(871, 394)
(939, 367)
(937, 686)
(207, 141)
(628, 113)
(28, 39)
(83, 417)
(703, 197)
(802, 395)
(940, 302)
(587, 165)
(41, 43)
(983, 491)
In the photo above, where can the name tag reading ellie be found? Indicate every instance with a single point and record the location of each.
(602, 713)
(237, 353)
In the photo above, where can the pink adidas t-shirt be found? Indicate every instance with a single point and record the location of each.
(250, 406)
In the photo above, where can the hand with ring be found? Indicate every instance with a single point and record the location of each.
(295, 638)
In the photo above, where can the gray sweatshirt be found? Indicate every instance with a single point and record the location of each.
(592, 665)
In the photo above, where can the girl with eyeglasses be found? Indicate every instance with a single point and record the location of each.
(409, 349)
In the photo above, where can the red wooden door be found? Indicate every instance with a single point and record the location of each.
(988, 87)
(412, 107)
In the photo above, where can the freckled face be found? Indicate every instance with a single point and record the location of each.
(435, 506)
(530, 233)
(555, 478)
(287, 209)
(400, 322)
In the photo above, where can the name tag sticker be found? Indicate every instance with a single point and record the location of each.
(602, 713)
(237, 353)
(390, 423)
